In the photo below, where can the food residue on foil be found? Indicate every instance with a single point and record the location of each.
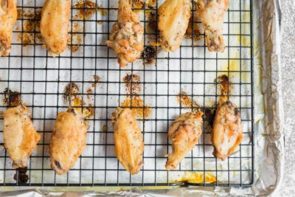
(90, 89)
(87, 8)
(134, 101)
(149, 54)
(75, 100)
(76, 38)
(30, 30)
(132, 84)
(197, 178)
(11, 98)
(136, 104)
(96, 80)
(186, 101)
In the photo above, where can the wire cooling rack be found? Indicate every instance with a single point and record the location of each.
(41, 80)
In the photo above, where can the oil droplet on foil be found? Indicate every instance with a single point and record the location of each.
(197, 177)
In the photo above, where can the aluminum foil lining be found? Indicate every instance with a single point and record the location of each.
(269, 144)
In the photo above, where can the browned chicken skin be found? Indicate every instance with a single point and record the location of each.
(128, 140)
(212, 13)
(227, 127)
(126, 37)
(54, 25)
(19, 135)
(68, 140)
(174, 18)
(184, 134)
(8, 16)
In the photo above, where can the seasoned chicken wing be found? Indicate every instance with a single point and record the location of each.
(212, 13)
(184, 134)
(174, 16)
(126, 37)
(19, 135)
(54, 26)
(128, 140)
(227, 126)
(8, 16)
(68, 140)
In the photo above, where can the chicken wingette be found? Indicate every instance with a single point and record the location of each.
(174, 16)
(128, 140)
(184, 134)
(8, 16)
(212, 13)
(227, 126)
(68, 140)
(19, 135)
(54, 25)
(126, 37)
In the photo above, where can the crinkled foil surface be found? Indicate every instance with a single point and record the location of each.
(268, 137)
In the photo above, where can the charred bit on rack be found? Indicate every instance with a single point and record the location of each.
(21, 176)
(11, 98)
(71, 90)
(149, 54)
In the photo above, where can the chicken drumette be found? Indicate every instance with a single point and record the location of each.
(54, 26)
(184, 134)
(174, 16)
(227, 127)
(8, 16)
(212, 13)
(126, 37)
(68, 140)
(19, 135)
(128, 140)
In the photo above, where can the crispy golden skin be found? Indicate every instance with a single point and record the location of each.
(184, 134)
(8, 16)
(126, 37)
(128, 140)
(19, 135)
(68, 140)
(211, 14)
(227, 127)
(227, 130)
(54, 26)
(174, 18)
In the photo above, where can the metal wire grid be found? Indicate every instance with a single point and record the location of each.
(41, 80)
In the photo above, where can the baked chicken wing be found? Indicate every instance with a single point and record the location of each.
(19, 135)
(68, 140)
(212, 13)
(54, 25)
(128, 140)
(184, 134)
(174, 16)
(8, 16)
(126, 37)
(227, 127)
